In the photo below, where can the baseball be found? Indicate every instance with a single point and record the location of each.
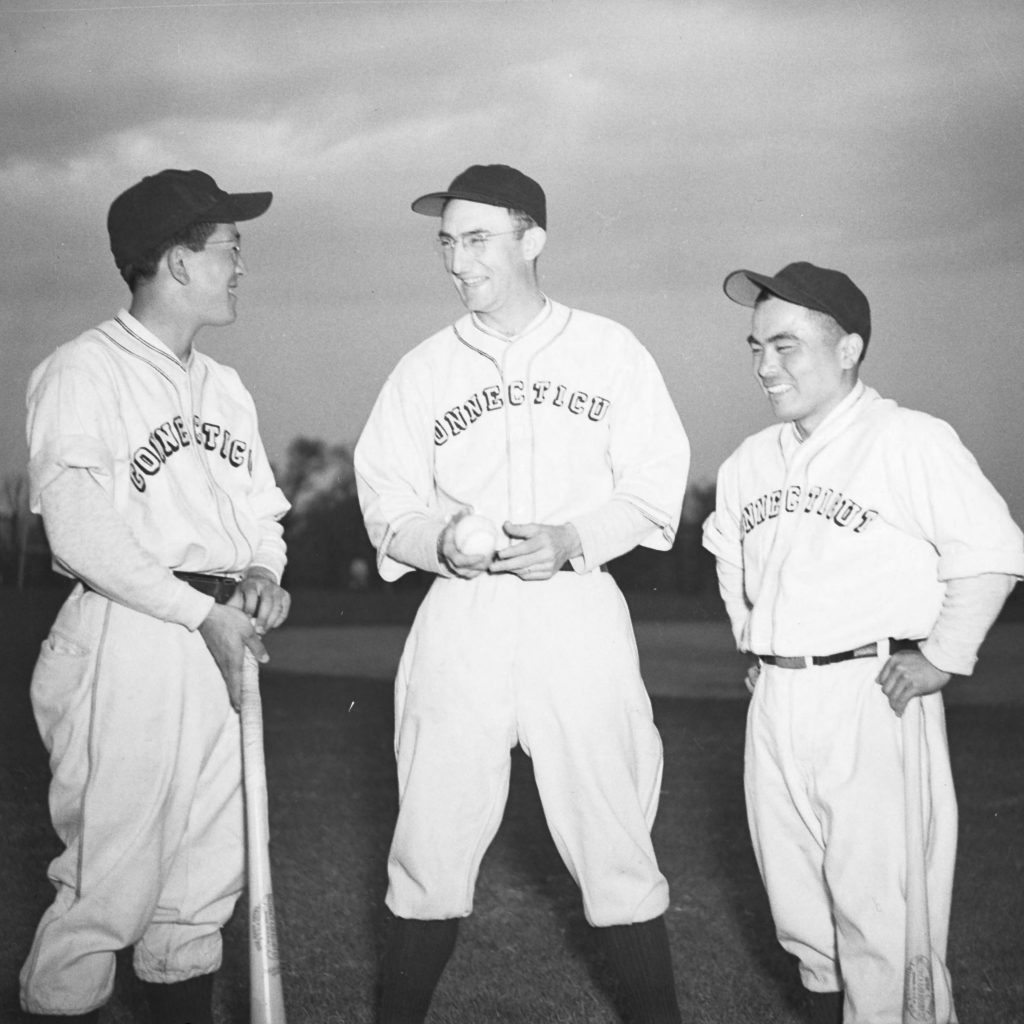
(475, 535)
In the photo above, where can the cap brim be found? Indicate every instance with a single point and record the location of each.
(744, 286)
(238, 206)
(432, 204)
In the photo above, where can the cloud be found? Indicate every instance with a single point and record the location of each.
(675, 142)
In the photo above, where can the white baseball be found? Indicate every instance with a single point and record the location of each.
(475, 535)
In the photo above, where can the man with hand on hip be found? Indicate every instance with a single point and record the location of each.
(862, 557)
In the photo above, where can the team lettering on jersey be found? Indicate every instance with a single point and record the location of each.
(830, 504)
(518, 392)
(170, 437)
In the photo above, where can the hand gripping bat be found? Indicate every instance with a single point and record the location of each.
(918, 980)
(266, 994)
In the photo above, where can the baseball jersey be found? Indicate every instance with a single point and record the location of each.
(850, 535)
(547, 429)
(174, 444)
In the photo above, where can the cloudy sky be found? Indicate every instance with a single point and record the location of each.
(676, 141)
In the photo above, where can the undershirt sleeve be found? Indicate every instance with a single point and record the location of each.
(414, 543)
(94, 544)
(969, 609)
(610, 531)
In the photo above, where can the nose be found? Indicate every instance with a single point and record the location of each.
(239, 265)
(459, 258)
(766, 363)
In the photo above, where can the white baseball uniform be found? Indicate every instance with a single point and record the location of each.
(144, 746)
(843, 539)
(568, 422)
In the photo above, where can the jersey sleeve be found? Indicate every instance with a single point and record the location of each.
(71, 424)
(723, 537)
(649, 454)
(393, 463)
(952, 504)
(269, 505)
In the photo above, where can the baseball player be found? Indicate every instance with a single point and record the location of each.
(862, 557)
(556, 425)
(156, 495)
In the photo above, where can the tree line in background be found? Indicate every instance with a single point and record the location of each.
(328, 545)
(327, 542)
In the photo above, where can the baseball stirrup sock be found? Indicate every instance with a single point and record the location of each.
(181, 1002)
(415, 955)
(641, 964)
(826, 1007)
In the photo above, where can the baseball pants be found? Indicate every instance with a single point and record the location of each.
(553, 666)
(825, 804)
(146, 796)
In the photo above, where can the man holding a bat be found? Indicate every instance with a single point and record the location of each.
(157, 497)
(862, 557)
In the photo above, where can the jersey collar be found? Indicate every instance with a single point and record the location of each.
(147, 342)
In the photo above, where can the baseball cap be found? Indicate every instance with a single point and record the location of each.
(162, 204)
(804, 284)
(494, 185)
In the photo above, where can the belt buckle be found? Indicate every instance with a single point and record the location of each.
(869, 650)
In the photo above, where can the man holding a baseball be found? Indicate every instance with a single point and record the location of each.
(554, 426)
(862, 557)
(157, 496)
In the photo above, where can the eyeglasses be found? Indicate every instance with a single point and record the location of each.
(236, 247)
(474, 242)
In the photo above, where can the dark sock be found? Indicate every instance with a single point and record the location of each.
(415, 954)
(181, 1002)
(640, 961)
(826, 1007)
(75, 1018)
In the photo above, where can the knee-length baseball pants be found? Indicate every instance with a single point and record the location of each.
(553, 666)
(146, 796)
(825, 803)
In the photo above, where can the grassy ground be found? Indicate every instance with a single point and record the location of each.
(525, 955)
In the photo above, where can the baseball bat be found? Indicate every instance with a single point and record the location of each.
(918, 980)
(265, 990)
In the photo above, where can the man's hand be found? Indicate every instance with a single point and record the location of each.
(228, 631)
(752, 676)
(458, 562)
(263, 600)
(909, 674)
(541, 552)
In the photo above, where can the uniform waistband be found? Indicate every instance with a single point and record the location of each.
(220, 588)
(876, 649)
(567, 567)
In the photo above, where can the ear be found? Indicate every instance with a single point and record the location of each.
(850, 348)
(177, 267)
(533, 242)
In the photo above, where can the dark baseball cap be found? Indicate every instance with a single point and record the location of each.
(804, 284)
(162, 204)
(494, 185)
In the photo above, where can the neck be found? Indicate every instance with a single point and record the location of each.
(511, 322)
(167, 324)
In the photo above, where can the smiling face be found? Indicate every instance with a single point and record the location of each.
(498, 282)
(804, 361)
(214, 272)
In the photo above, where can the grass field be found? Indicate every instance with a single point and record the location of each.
(525, 955)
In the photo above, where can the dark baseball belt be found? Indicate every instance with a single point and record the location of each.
(220, 588)
(808, 660)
